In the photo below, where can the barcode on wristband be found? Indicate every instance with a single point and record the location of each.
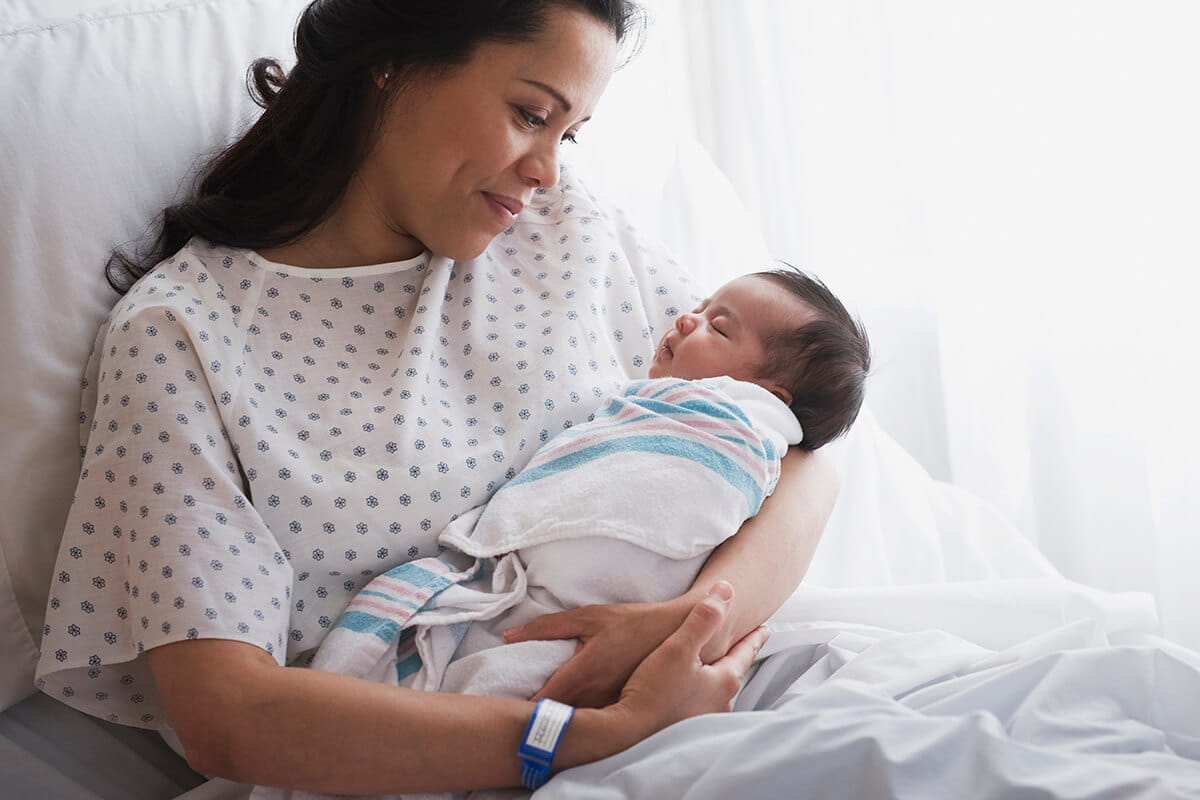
(547, 725)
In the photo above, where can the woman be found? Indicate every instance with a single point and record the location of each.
(333, 360)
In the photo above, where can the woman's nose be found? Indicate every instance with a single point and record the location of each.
(540, 167)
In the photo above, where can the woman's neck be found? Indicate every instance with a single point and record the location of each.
(354, 235)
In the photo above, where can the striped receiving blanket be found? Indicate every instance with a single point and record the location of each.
(373, 637)
(625, 507)
(670, 465)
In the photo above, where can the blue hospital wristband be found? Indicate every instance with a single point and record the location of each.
(540, 743)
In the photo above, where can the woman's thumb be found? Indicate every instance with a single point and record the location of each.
(706, 617)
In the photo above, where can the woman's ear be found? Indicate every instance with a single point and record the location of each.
(382, 75)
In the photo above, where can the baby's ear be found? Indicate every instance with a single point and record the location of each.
(779, 391)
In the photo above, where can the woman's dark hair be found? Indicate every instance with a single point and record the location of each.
(823, 363)
(285, 175)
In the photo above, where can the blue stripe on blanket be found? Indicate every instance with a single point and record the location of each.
(664, 420)
(362, 622)
(742, 442)
(678, 412)
(693, 405)
(408, 666)
(681, 410)
(417, 577)
(657, 444)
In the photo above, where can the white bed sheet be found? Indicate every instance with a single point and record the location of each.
(932, 652)
(49, 750)
(861, 712)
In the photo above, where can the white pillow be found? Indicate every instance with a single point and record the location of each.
(105, 106)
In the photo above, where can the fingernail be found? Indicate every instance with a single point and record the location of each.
(763, 636)
(722, 591)
(511, 634)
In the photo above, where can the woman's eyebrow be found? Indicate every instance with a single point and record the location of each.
(550, 90)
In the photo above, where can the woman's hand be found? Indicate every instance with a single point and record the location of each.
(613, 640)
(672, 683)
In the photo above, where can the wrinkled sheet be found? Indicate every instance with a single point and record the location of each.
(1091, 708)
(932, 652)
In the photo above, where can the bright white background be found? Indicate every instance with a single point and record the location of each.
(1008, 193)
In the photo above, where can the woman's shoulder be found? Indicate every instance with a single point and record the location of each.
(197, 263)
(198, 274)
(198, 293)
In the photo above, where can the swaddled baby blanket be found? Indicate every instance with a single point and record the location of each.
(625, 507)
(622, 508)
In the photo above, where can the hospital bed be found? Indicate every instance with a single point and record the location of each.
(932, 651)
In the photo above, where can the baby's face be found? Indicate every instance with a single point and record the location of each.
(725, 335)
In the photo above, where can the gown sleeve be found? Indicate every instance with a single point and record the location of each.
(161, 544)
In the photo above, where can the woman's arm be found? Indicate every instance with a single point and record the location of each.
(771, 552)
(243, 717)
(764, 561)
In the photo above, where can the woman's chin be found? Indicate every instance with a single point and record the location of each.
(461, 250)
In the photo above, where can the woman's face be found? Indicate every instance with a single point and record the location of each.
(461, 153)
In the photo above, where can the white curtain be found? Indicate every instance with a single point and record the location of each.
(1009, 193)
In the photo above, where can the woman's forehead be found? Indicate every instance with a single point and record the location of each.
(572, 58)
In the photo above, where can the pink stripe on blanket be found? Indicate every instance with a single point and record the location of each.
(391, 611)
(693, 429)
(399, 588)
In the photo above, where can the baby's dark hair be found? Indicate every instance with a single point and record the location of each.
(823, 363)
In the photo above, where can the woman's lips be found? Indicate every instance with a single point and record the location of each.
(506, 208)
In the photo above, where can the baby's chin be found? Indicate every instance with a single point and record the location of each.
(660, 370)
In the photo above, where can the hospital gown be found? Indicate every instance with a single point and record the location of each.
(260, 440)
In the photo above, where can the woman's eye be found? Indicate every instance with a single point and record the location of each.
(531, 119)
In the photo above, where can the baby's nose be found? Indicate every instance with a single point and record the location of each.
(686, 323)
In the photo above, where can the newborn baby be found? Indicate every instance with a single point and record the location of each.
(625, 507)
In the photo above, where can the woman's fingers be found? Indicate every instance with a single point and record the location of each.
(704, 620)
(742, 655)
(557, 688)
(576, 683)
(672, 683)
(562, 625)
